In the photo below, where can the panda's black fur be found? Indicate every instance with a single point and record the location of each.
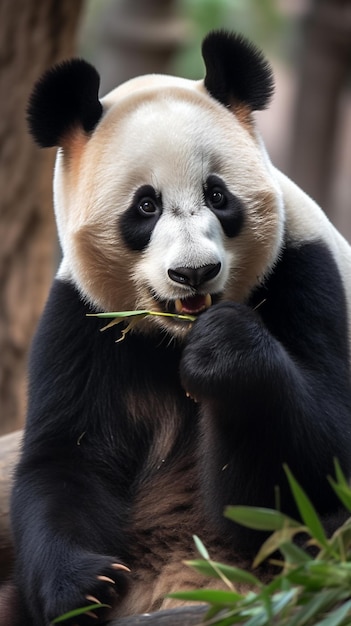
(119, 467)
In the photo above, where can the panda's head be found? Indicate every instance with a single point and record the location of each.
(164, 195)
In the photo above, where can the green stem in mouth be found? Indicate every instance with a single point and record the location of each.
(122, 314)
(119, 316)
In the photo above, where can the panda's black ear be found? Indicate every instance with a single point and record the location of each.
(236, 71)
(64, 98)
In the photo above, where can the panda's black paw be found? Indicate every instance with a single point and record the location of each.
(96, 580)
(221, 349)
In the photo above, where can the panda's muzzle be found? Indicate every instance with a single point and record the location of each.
(196, 278)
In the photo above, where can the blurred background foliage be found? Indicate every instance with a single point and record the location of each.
(261, 20)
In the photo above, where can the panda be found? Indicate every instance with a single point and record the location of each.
(166, 200)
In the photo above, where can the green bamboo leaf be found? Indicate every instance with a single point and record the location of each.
(211, 596)
(259, 518)
(212, 612)
(134, 317)
(282, 600)
(274, 543)
(318, 603)
(260, 619)
(340, 476)
(201, 548)
(80, 611)
(337, 617)
(333, 574)
(302, 577)
(234, 574)
(271, 608)
(121, 314)
(343, 492)
(141, 313)
(293, 554)
(316, 575)
(278, 584)
(340, 542)
(307, 510)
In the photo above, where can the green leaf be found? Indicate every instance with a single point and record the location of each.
(274, 542)
(340, 542)
(201, 548)
(307, 510)
(80, 611)
(337, 617)
(143, 313)
(234, 574)
(211, 596)
(282, 599)
(261, 619)
(332, 574)
(343, 492)
(293, 554)
(340, 477)
(259, 518)
(120, 314)
(318, 603)
(317, 575)
(212, 612)
(302, 577)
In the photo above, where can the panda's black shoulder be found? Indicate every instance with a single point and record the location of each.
(307, 279)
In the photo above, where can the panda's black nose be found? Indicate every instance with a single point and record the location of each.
(194, 276)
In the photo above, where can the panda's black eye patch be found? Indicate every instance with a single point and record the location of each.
(226, 206)
(138, 221)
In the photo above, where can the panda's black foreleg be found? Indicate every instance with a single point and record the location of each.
(62, 523)
(260, 409)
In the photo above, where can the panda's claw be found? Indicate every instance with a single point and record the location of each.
(120, 566)
(91, 614)
(93, 599)
(106, 579)
(188, 395)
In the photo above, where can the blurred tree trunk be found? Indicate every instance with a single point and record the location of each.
(325, 63)
(34, 35)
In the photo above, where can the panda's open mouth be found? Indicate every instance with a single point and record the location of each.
(191, 305)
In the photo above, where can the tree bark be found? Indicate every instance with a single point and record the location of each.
(325, 62)
(9, 453)
(34, 35)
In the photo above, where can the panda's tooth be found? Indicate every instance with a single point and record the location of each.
(178, 305)
(208, 300)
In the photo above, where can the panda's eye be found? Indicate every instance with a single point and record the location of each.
(147, 207)
(216, 197)
(216, 194)
(225, 205)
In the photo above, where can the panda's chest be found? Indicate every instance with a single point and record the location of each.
(167, 421)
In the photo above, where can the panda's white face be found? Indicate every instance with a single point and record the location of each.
(170, 205)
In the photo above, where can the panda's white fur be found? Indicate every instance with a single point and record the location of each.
(166, 199)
